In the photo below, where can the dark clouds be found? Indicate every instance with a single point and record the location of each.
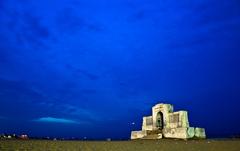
(69, 21)
(87, 74)
(222, 12)
(81, 72)
(1, 5)
(26, 28)
(34, 32)
(4, 55)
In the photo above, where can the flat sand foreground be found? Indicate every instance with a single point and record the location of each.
(137, 145)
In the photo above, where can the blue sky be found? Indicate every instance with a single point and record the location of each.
(72, 67)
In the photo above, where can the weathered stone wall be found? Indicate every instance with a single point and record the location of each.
(178, 119)
(147, 123)
(138, 134)
(191, 132)
(200, 132)
(182, 133)
(184, 118)
(175, 132)
(173, 120)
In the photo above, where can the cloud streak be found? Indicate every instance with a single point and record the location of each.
(56, 120)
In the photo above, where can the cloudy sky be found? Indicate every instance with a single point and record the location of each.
(89, 68)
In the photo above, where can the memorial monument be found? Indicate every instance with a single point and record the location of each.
(165, 123)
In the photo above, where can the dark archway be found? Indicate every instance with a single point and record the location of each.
(159, 121)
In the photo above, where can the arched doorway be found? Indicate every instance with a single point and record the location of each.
(159, 121)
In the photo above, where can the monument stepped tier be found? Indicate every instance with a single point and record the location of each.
(164, 123)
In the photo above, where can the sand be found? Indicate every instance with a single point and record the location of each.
(137, 145)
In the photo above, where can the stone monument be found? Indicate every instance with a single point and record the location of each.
(164, 123)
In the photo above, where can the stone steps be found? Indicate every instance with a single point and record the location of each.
(155, 136)
(154, 132)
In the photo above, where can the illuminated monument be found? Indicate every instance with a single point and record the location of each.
(164, 123)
